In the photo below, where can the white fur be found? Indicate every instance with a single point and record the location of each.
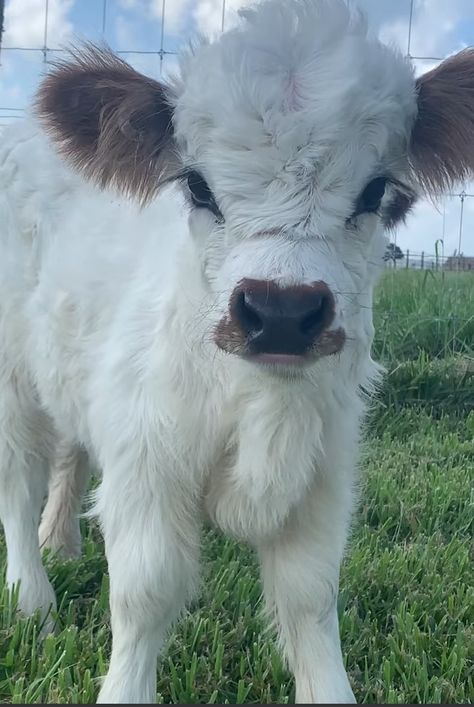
(59, 529)
(106, 328)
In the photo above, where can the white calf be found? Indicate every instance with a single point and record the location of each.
(212, 365)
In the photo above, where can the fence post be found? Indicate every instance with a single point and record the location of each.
(2, 15)
(422, 259)
(408, 259)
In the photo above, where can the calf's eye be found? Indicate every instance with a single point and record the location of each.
(201, 195)
(371, 198)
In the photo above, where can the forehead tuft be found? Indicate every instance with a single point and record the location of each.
(293, 71)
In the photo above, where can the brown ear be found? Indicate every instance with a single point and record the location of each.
(442, 143)
(108, 120)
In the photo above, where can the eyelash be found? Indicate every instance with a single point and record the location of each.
(201, 195)
(368, 202)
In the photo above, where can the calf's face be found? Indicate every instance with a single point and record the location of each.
(298, 141)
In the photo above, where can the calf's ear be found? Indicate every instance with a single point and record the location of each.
(109, 121)
(442, 141)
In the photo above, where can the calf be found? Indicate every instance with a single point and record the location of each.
(214, 365)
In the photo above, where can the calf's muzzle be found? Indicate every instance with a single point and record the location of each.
(266, 320)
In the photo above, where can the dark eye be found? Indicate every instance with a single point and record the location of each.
(201, 196)
(371, 198)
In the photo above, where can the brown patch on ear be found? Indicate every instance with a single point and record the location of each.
(442, 142)
(109, 121)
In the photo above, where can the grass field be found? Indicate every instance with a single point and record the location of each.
(407, 599)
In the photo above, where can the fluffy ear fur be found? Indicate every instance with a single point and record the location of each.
(109, 121)
(442, 143)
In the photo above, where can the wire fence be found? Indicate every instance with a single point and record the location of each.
(413, 260)
(421, 317)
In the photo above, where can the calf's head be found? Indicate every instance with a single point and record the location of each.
(298, 140)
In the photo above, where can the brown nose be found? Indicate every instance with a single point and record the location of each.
(277, 320)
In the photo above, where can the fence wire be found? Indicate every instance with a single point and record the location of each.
(441, 323)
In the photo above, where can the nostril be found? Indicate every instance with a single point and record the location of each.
(246, 315)
(315, 321)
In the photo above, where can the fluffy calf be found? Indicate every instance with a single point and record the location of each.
(216, 369)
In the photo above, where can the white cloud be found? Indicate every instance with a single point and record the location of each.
(208, 15)
(129, 4)
(127, 33)
(177, 13)
(434, 29)
(25, 22)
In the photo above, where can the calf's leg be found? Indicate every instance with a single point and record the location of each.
(152, 545)
(69, 475)
(23, 484)
(300, 571)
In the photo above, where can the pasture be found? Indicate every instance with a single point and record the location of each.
(406, 600)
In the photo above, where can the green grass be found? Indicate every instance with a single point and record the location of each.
(407, 599)
(425, 336)
(424, 313)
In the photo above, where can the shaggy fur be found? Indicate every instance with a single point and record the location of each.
(115, 123)
(108, 314)
(442, 140)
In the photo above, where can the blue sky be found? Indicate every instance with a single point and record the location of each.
(440, 27)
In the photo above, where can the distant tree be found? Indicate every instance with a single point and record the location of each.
(393, 252)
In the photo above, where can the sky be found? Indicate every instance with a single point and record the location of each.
(439, 28)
